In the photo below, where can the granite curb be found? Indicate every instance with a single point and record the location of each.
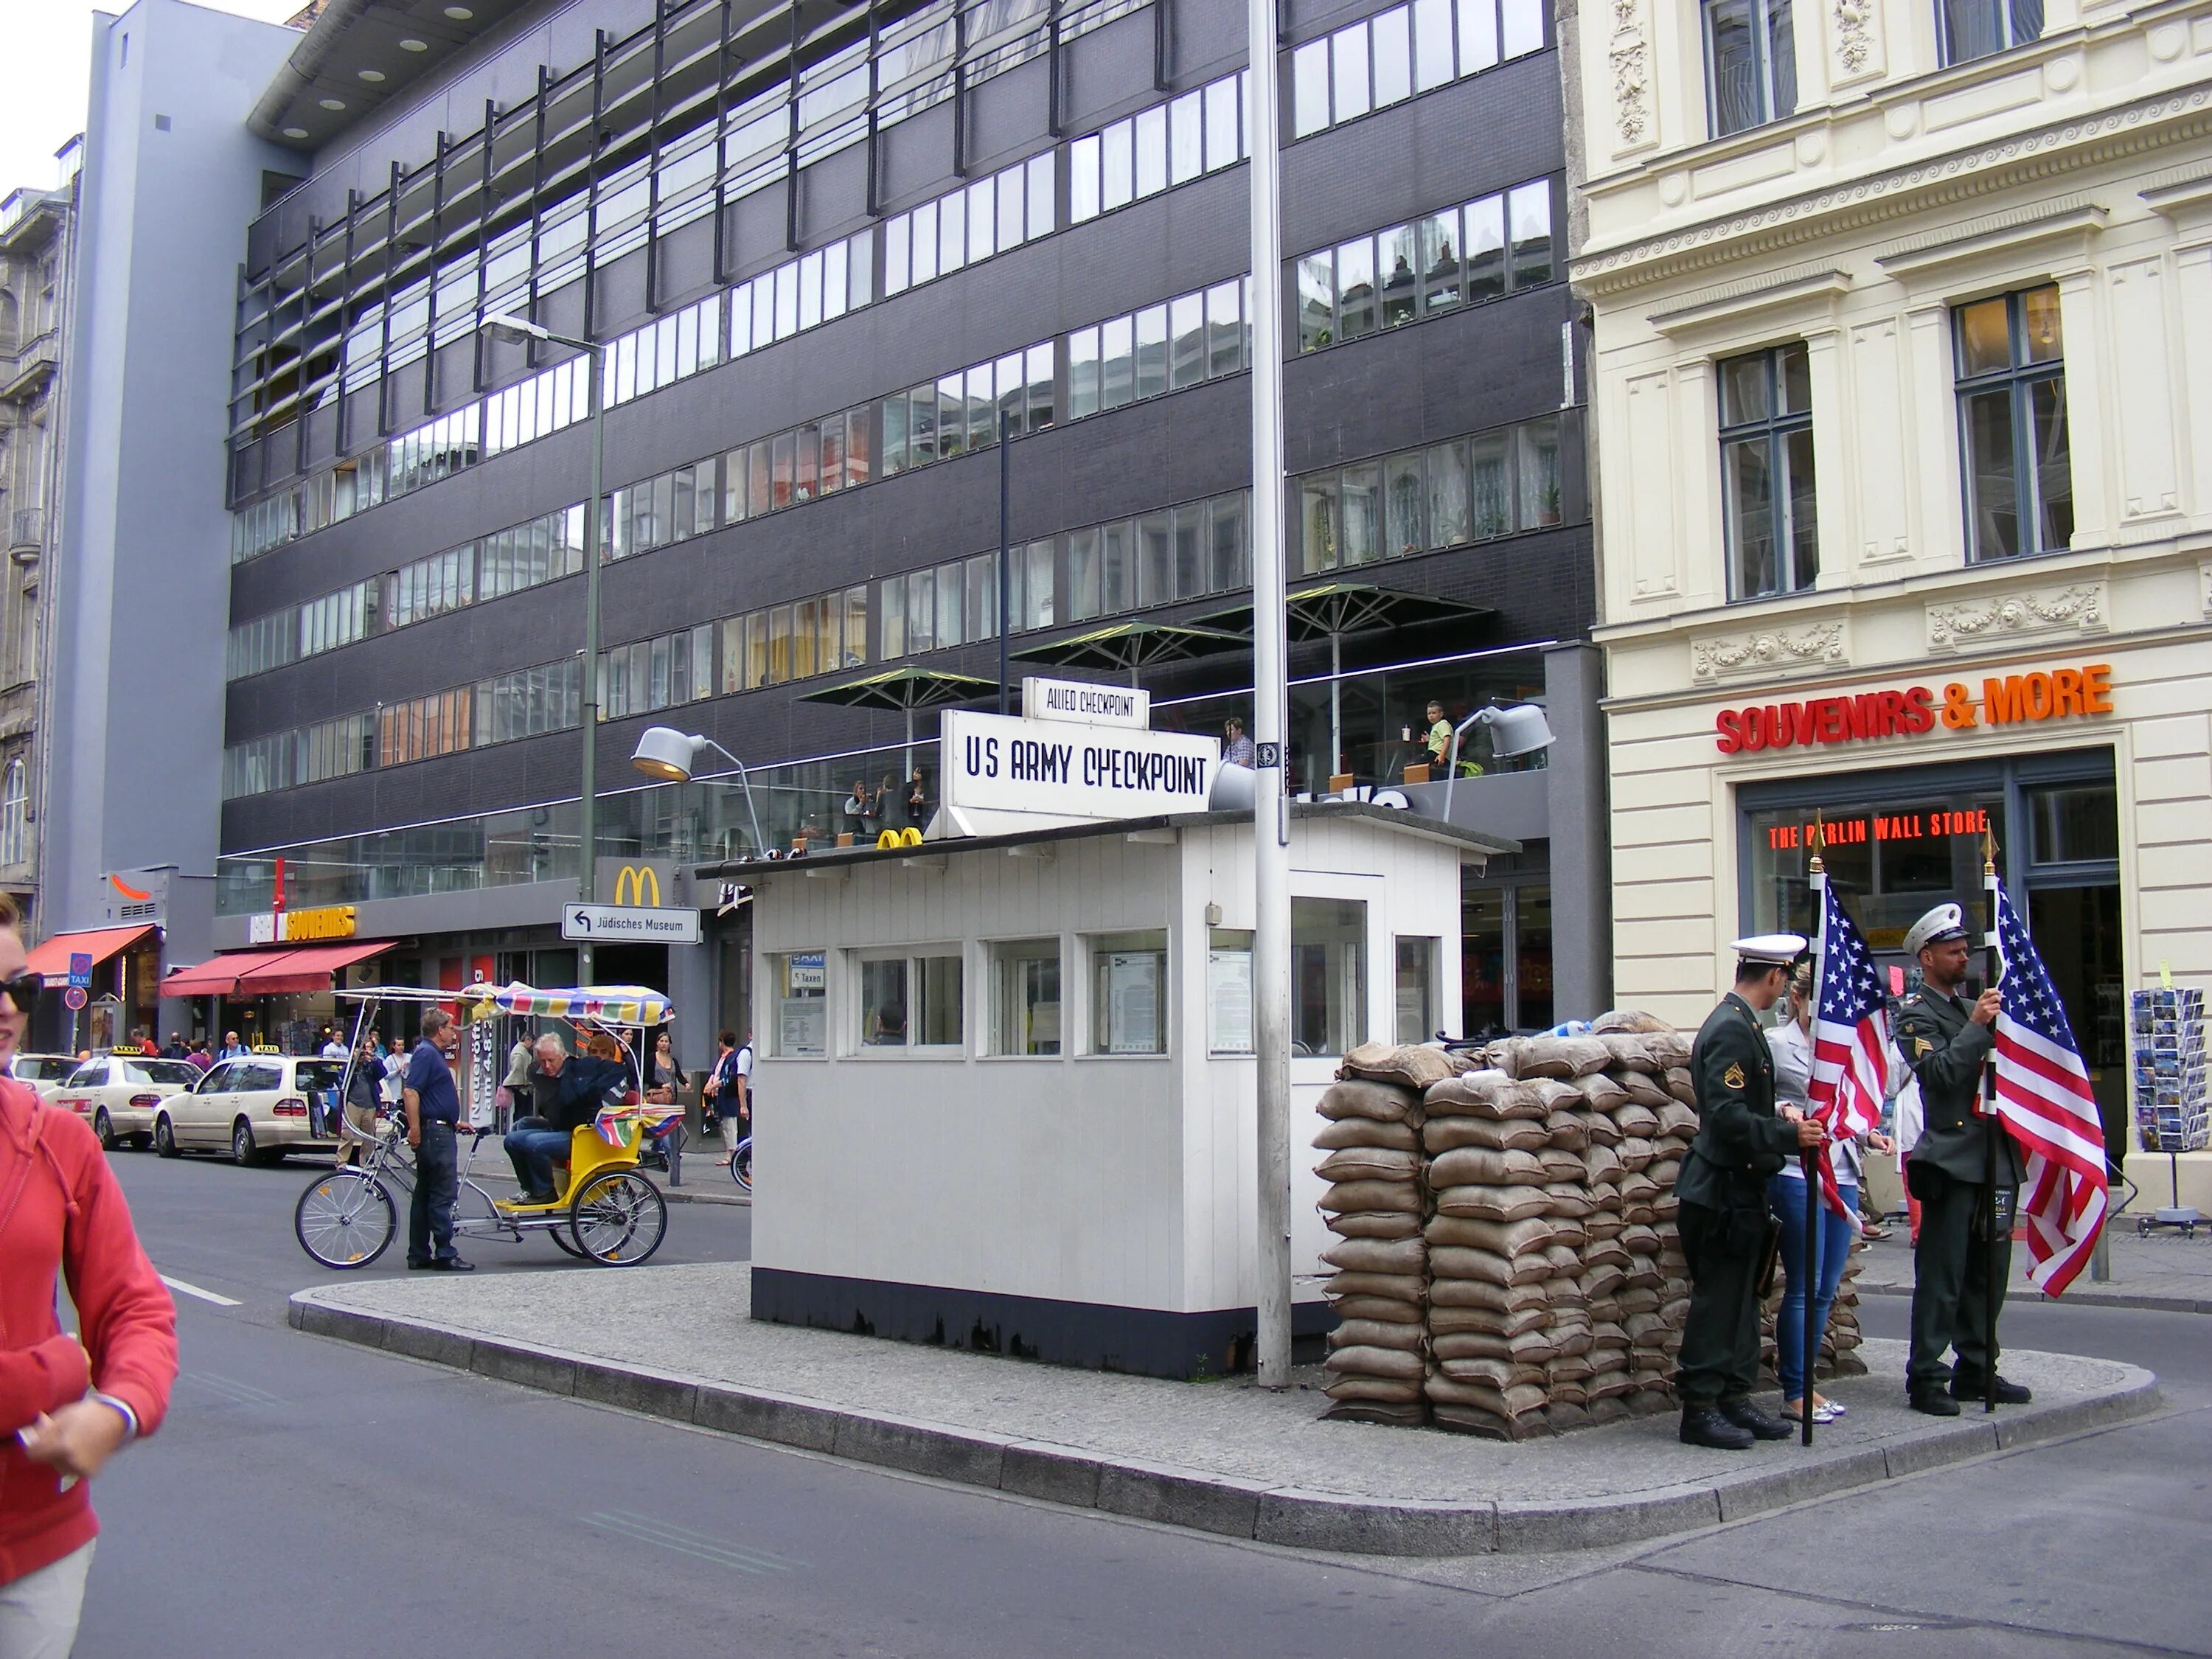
(1202, 1500)
(2147, 1302)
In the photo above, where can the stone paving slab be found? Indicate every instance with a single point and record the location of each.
(2165, 1271)
(1222, 1457)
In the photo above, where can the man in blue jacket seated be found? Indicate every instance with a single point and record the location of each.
(569, 1090)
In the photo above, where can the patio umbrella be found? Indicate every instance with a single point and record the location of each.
(904, 689)
(1131, 646)
(1332, 610)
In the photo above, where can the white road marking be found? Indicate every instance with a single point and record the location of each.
(204, 1296)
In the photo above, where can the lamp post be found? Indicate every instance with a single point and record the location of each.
(669, 755)
(511, 330)
(1271, 824)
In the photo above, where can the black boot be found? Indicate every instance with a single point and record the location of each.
(1930, 1397)
(1704, 1425)
(1755, 1422)
(2009, 1393)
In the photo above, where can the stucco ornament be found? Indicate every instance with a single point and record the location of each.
(2082, 607)
(1854, 34)
(1767, 649)
(1631, 73)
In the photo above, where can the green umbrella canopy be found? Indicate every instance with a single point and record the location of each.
(903, 690)
(1324, 611)
(1130, 646)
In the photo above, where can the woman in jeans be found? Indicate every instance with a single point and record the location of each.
(1832, 1235)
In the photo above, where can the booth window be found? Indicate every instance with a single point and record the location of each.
(910, 1002)
(1329, 975)
(1416, 989)
(1128, 992)
(1025, 997)
(801, 986)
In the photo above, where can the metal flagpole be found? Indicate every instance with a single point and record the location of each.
(1993, 1132)
(1809, 1265)
(1271, 853)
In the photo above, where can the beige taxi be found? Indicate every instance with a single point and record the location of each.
(259, 1108)
(119, 1094)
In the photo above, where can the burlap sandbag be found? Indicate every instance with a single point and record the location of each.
(1481, 1203)
(1488, 1425)
(1367, 1132)
(1641, 1240)
(1503, 1328)
(1636, 1154)
(1608, 1252)
(1646, 1090)
(1369, 1164)
(1442, 1135)
(1480, 1166)
(1567, 1199)
(1646, 1330)
(1565, 1292)
(1349, 1195)
(1554, 1095)
(1560, 1165)
(1529, 1348)
(1603, 1221)
(1481, 1368)
(1637, 1299)
(1413, 1414)
(1410, 1065)
(1603, 1093)
(1637, 1186)
(1392, 1287)
(1567, 1131)
(1354, 1097)
(1378, 1255)
(1677, 1122)
(1603, 1131)
(1548, 1056)
(1374, 1223)
(1602, 1281)
(1393, 1363)
(1483, 1094)
(1633, 1120)
(1628, 1019)
(1565, 1258)
(1448, 1262)
(1381, 1389)
(1601, 1166)
(1488, 1293)
(1665, 1171)
(1610, 1383)
(1604, 1310)
(1513, 1238)
(1381, 1308)
(1629, 1050)
(1679, 1085)
(1670, 1047)
(1642, 1274)
(1375, 1333)
(1565, 1416)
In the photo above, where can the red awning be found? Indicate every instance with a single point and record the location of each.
(308, 968)
(269, 973)
(51, 957)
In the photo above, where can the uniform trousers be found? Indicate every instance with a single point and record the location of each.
(1950, 1288)
(1719, 1356)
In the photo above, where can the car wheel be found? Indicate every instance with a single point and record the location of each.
(102, 1127)
(243, 1151)
(165, 1138)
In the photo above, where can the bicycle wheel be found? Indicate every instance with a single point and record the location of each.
(619, 1218)
(741, 1164)
(345, 1219)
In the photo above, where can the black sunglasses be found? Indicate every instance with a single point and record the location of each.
(23, 989)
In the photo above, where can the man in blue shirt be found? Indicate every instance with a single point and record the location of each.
(434, 1111)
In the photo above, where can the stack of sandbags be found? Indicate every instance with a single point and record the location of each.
(1836, 1358)
(1375, 1204)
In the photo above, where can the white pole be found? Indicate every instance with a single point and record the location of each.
(1271, 860)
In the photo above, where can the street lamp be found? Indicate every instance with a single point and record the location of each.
(510, 329)
(1519, 730)
(667, 754)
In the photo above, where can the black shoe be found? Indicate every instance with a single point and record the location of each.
(1755, 1422)
(1704, 1425)
(2009, 1393)
(1932, 1400)
(413, 1265)
(453, 1264)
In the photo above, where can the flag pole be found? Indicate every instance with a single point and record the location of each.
(1811, 1342)
(1992, 1286)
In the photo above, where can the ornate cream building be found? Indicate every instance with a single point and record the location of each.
(1902, 325)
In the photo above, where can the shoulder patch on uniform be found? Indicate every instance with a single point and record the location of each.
(1922, 1045)
(1913, 1001)
(1733, 1076)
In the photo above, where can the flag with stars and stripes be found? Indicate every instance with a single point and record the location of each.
(2045, 1100)
(1851, 1034)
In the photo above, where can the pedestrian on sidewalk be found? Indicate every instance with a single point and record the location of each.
(434, 1116)
(200, 1057)
(514, 1099)
(730, 1088)
(364, 1092)
(1947, 1037)
(67, 1403)
(1742, 1139)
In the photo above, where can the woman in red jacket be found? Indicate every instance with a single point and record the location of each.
(66, 1402)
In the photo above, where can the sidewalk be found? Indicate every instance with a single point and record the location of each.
(2165, 1271)
(1222, 1457)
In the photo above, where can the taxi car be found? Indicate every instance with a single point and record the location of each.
(116, 1094)
(256, 1107)
(46, 1074)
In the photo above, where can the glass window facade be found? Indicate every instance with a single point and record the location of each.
(1382, 60)
(1446, 494)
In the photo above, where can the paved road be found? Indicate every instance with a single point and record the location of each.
(309, 1497)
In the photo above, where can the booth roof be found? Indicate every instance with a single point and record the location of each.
(1388, 819)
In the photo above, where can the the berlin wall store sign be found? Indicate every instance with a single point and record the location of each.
(1918, 711)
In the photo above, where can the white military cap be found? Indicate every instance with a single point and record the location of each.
(1939, 926)
(1780, 949)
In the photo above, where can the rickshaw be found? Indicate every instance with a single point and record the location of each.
(605, 1209)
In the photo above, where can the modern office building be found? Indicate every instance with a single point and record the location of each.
(1906, 432)
(828, 255)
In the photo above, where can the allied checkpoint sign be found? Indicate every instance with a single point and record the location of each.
(1002, 774)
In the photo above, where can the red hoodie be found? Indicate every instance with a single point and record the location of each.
(61, 1211)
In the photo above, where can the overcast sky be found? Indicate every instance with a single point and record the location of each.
(50, 49)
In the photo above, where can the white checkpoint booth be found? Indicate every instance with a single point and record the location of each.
(1006, 1093)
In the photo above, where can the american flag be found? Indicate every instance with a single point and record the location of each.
(1850, 1035)
(2045, 1100)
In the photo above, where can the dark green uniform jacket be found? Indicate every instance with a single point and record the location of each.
(1937, 1036)
(1741, 1141)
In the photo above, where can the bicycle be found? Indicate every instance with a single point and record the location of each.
(741, 1163)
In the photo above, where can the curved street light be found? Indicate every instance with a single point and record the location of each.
(672, 757)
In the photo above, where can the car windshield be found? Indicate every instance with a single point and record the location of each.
(177, 1073)
(321, 1073)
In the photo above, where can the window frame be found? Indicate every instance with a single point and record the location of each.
(1002, 955)
(915, 985)
(1774, 430)
(1766, 88)
(2019, 379)
(1098, 1024)
(2008, 20)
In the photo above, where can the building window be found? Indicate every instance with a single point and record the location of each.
(1329, 975)
(1750, 62)
(1767, 473)
(1506, 958)
(1025, 997)
(2012, 425)
(1977, 28)
(1128, 992)
(1382, 60)
(1447, 495)
(909, 1002)
(14, 814)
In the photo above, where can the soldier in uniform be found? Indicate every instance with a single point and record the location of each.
(1946, 1040)
(1722, 1190)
